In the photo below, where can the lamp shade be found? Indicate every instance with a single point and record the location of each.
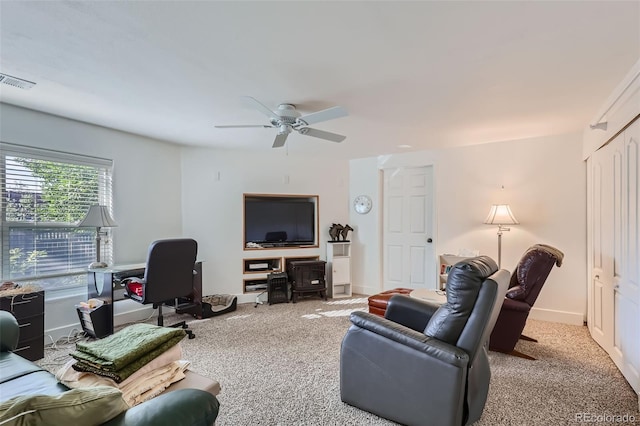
(500, 214)
(98, 217)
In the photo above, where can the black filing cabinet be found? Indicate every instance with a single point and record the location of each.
(28, 309)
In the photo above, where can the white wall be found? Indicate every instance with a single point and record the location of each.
(213, 184)
(366, 255)
(146, 187)
(162, 190)
(544, 181)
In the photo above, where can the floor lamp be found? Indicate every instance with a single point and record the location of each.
(98, 217)
(501, 215)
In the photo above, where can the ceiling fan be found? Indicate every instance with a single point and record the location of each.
(286, 119)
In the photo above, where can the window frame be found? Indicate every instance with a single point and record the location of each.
(103, 166)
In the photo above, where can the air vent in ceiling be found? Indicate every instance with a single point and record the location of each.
(16, 82)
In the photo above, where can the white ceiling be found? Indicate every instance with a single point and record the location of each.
(427, 74)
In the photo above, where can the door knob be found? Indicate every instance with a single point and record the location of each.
(429, 240)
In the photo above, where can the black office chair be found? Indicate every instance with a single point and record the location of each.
(168, 277)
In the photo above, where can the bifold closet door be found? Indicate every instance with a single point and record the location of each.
(627, 303)
(614, 299)
(603, 165)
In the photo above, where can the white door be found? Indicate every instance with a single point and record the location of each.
(614, 297)
(627, 324)
(408, 254)
(602, 274)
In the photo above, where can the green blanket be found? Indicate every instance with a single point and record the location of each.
(121, 375)
(130, 344)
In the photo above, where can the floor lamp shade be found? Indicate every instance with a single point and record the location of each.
(501, 215)
(98, 217)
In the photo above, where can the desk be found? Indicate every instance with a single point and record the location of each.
(106, 284)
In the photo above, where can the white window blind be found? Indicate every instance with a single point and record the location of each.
(45, 194)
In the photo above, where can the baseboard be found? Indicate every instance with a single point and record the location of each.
(251, 297)
(366, 290)
(571, 318)
(126, 311)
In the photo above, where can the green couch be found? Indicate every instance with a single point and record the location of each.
(28, 390)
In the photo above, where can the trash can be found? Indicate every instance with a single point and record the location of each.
(96, 322)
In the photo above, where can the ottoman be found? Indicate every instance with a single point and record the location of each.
(378, 302)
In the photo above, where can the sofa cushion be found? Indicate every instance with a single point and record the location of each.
(36, 383)
(85, 406)
(13, 366)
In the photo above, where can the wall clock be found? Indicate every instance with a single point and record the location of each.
(362, 204)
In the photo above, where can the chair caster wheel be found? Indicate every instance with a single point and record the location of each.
(192, 336)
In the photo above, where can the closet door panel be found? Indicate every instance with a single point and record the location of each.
(615, 230)
(629, 285)
(602, 250)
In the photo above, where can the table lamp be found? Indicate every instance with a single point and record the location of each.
(98, 217)
(500, 214)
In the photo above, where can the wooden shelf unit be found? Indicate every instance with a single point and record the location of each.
(339, 269)
(262, 265)
(254, 285)
(256, 269)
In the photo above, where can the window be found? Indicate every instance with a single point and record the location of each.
(44, 195)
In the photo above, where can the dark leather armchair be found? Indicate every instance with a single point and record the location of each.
(168, 276)
(425, 364)
(526, 282)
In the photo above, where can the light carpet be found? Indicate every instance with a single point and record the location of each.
(279, 365)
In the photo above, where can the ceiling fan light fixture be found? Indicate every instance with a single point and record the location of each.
(284, 129)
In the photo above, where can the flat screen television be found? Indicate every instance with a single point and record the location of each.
(279, 221)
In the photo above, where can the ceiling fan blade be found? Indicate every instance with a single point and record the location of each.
(280, 140)
(260, 107)
(324, 115)
(237, 126)
(333, 137)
